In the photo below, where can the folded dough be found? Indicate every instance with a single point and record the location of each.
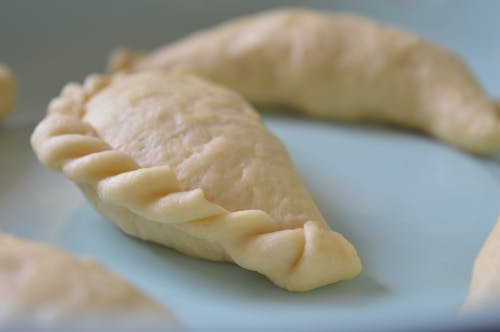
(7, 90)
(484, 290)
(45, 284)
(178, 160)
(340, 67)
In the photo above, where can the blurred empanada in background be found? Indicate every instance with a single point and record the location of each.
(7, 90)
(340, 67)
(43, 284)
(484, 289)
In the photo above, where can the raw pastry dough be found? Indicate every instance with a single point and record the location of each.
(177, 160)
(485, 285)
(45, 284)
(7, 90)
(341, 67)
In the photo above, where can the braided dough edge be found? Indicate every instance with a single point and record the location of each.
(296, 259)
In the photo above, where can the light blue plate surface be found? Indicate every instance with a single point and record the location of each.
(417, 210)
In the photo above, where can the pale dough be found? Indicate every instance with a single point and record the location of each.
(340, 67)
(181, 161)
(7, 90)
(44, 284)
(484, 290)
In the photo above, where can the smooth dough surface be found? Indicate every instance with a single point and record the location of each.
(45, 284)
(210, 139)
(7, 90)
(484, 290)
(340, 67)
(181, 161)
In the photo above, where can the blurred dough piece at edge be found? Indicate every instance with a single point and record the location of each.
(484, 290)
(7, 90)
(43, 284)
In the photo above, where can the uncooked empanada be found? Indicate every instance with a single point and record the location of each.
(341, 67)
(44, 284)
(178, 160)
(7, 90)
(484, 289)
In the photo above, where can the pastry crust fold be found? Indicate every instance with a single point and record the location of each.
(178, 160)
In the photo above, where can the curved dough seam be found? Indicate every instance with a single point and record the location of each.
(65, 143)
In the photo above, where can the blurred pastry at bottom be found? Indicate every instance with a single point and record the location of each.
(484, 290)
(43, 284)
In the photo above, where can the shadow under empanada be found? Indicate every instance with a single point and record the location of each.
(158, 270)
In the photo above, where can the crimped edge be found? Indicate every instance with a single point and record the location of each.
(63, 142)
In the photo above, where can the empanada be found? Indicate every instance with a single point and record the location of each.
(178, 160)
(7, 90)
(485, 285)
(44, 284)
(341, 67)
